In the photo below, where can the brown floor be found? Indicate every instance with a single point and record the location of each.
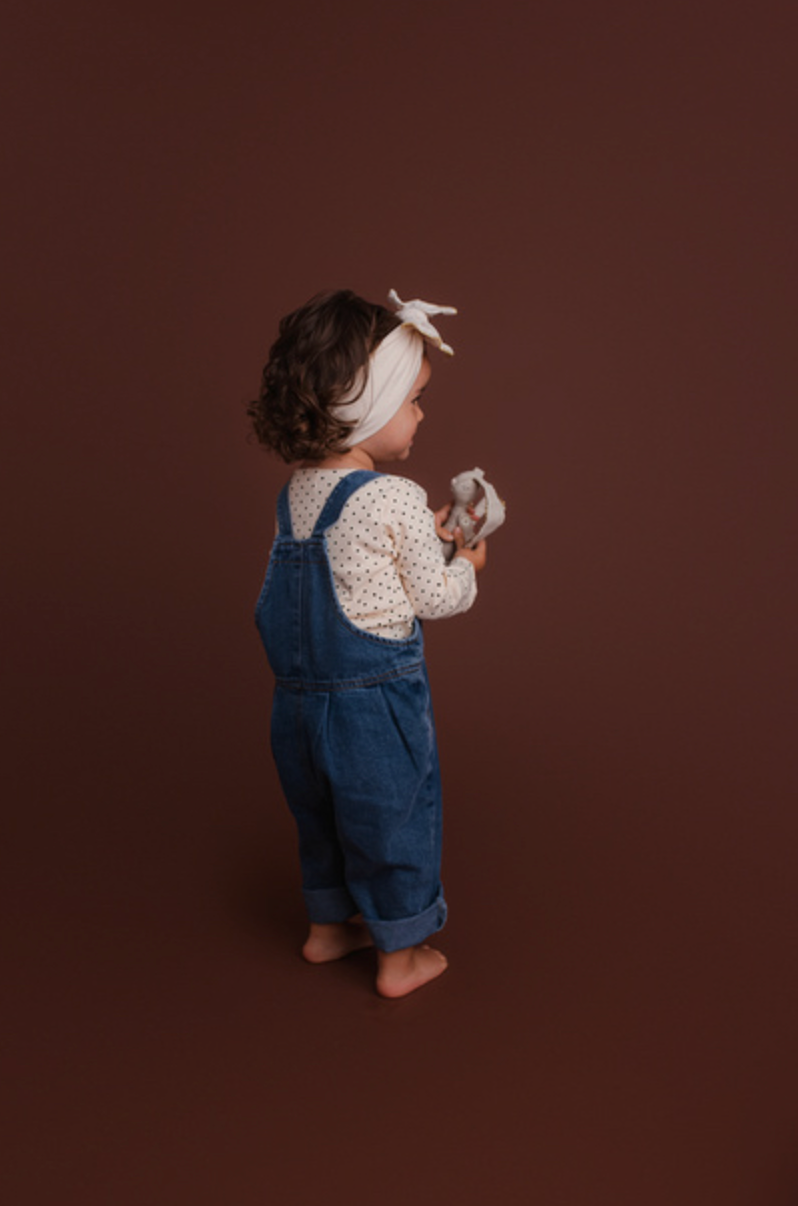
(617, 1025)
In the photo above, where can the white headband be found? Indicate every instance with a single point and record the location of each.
(393, 367)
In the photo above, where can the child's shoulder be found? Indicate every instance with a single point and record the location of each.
(397, 495)
(402, 487)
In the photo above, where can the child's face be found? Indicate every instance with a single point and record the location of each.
(394, 441)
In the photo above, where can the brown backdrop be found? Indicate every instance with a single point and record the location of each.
(606, 191)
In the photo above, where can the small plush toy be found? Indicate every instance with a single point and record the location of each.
(477, 510)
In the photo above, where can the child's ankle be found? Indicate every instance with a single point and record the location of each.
(335, 940)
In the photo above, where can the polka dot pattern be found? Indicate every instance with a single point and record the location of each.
(385, 555)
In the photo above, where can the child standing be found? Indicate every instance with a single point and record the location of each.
(356, 563)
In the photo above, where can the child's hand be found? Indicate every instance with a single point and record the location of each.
(477, 556)
(440, 519)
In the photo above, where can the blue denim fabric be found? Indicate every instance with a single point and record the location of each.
(353, 738)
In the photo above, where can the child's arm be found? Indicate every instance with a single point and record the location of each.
(435, 589)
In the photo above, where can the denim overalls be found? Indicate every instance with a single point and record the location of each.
(353, 738)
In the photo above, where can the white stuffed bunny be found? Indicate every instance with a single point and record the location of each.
(477, 510)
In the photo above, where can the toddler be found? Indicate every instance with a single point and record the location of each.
(356, 564)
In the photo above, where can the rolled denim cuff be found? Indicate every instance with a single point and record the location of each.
(407, 931)
(326, 906)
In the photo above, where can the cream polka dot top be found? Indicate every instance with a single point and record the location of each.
(385, 555)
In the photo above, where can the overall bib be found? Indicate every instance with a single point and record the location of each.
(353, 738)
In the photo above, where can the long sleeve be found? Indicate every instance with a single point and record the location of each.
(435, 588)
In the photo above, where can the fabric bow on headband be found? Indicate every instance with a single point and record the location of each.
(416, 314)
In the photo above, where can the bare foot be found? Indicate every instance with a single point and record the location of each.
(402, 972)
(327, 942)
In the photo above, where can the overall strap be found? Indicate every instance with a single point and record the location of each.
(284, 513)
(340, 496)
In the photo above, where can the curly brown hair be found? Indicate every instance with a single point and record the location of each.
(313, 363)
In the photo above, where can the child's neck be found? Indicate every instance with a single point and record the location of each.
(354, 458)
